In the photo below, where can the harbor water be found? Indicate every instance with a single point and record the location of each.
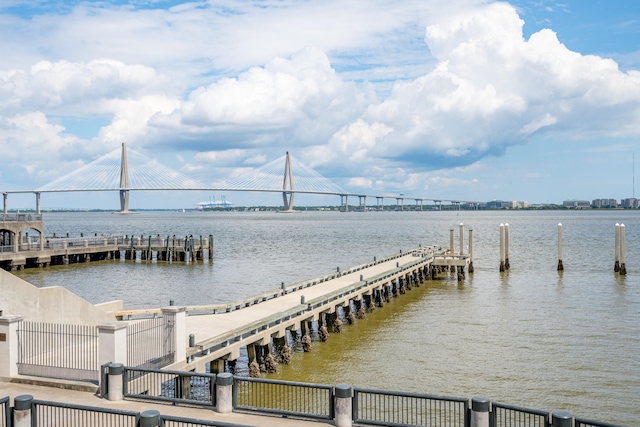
(531, 336)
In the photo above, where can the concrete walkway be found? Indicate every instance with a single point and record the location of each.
(88, 398)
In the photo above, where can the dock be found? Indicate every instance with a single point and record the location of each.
(216, 333)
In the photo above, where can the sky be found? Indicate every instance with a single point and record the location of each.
(455, 99)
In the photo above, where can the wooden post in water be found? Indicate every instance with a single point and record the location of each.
(452, 248)
(560, 266)
(461, 238)
(501, 247)
(623, 266)
(470, 268)
(507, 266)
(616, 265)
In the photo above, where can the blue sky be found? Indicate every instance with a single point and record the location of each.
(456, 99)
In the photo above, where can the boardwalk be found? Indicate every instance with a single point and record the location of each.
(256, 320)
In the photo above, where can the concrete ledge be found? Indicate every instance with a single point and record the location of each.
(53, 383)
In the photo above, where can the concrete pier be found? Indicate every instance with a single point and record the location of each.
(219, 332)
(40, 252)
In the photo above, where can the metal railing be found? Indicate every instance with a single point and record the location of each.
(5, 413)
(581, 422)
(170, 386)
(44, 413)
(169, 421)
(21, 217)
(150, 342)
(503, 415)
(283, 397)
(408, 409)
(57, 350)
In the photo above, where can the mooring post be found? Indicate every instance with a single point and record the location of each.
(480, 411)
(623, 264)
(507, 266)
(616, 265)
(461, 238)
(501, 247)
(451, 244)
(560, 265)
(452, 248)
(470, 251)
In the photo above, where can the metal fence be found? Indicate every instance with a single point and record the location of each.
(5, 413)
(170, 386)
(283, 397)
(45, 413)
(150, 342)
(581, 422)
(513, 416)
(168, 421)
(57, 350)
(407, 409)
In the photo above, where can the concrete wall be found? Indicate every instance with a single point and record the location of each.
(54, 304)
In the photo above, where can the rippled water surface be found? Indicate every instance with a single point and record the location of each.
(530, 337)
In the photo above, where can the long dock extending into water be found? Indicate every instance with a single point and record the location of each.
(217, 332)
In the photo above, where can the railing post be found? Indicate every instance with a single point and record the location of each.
(224, 393)
(9, 345)
(150, 418)
(112, 342)
(480, 411)
(22, 410)
(179, 315)
(343, 405)
(561, 419)
(116, 382)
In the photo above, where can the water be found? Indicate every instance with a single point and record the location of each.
(531, 337)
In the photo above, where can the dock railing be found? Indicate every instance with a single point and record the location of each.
(195, 310)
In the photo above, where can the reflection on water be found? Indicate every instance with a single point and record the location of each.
(530, 336)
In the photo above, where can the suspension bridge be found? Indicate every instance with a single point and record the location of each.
(125, 170)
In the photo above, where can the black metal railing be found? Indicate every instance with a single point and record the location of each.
(283, 397)
(503, 415)
(44, 413)
(5, 413)
(170, 386)
(408, 409)
(581, 422)
(170, 421)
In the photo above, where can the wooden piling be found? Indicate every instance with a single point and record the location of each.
(507, 266)
(470, 268)
(616, 265)
(623, 266)
(501, 247)
(452, 248)
(560, 265)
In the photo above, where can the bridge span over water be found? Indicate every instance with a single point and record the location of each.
(125, 171)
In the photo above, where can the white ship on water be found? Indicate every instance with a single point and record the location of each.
(223, 203)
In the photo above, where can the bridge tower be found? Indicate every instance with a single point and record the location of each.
(287, 193)
(124, 181)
